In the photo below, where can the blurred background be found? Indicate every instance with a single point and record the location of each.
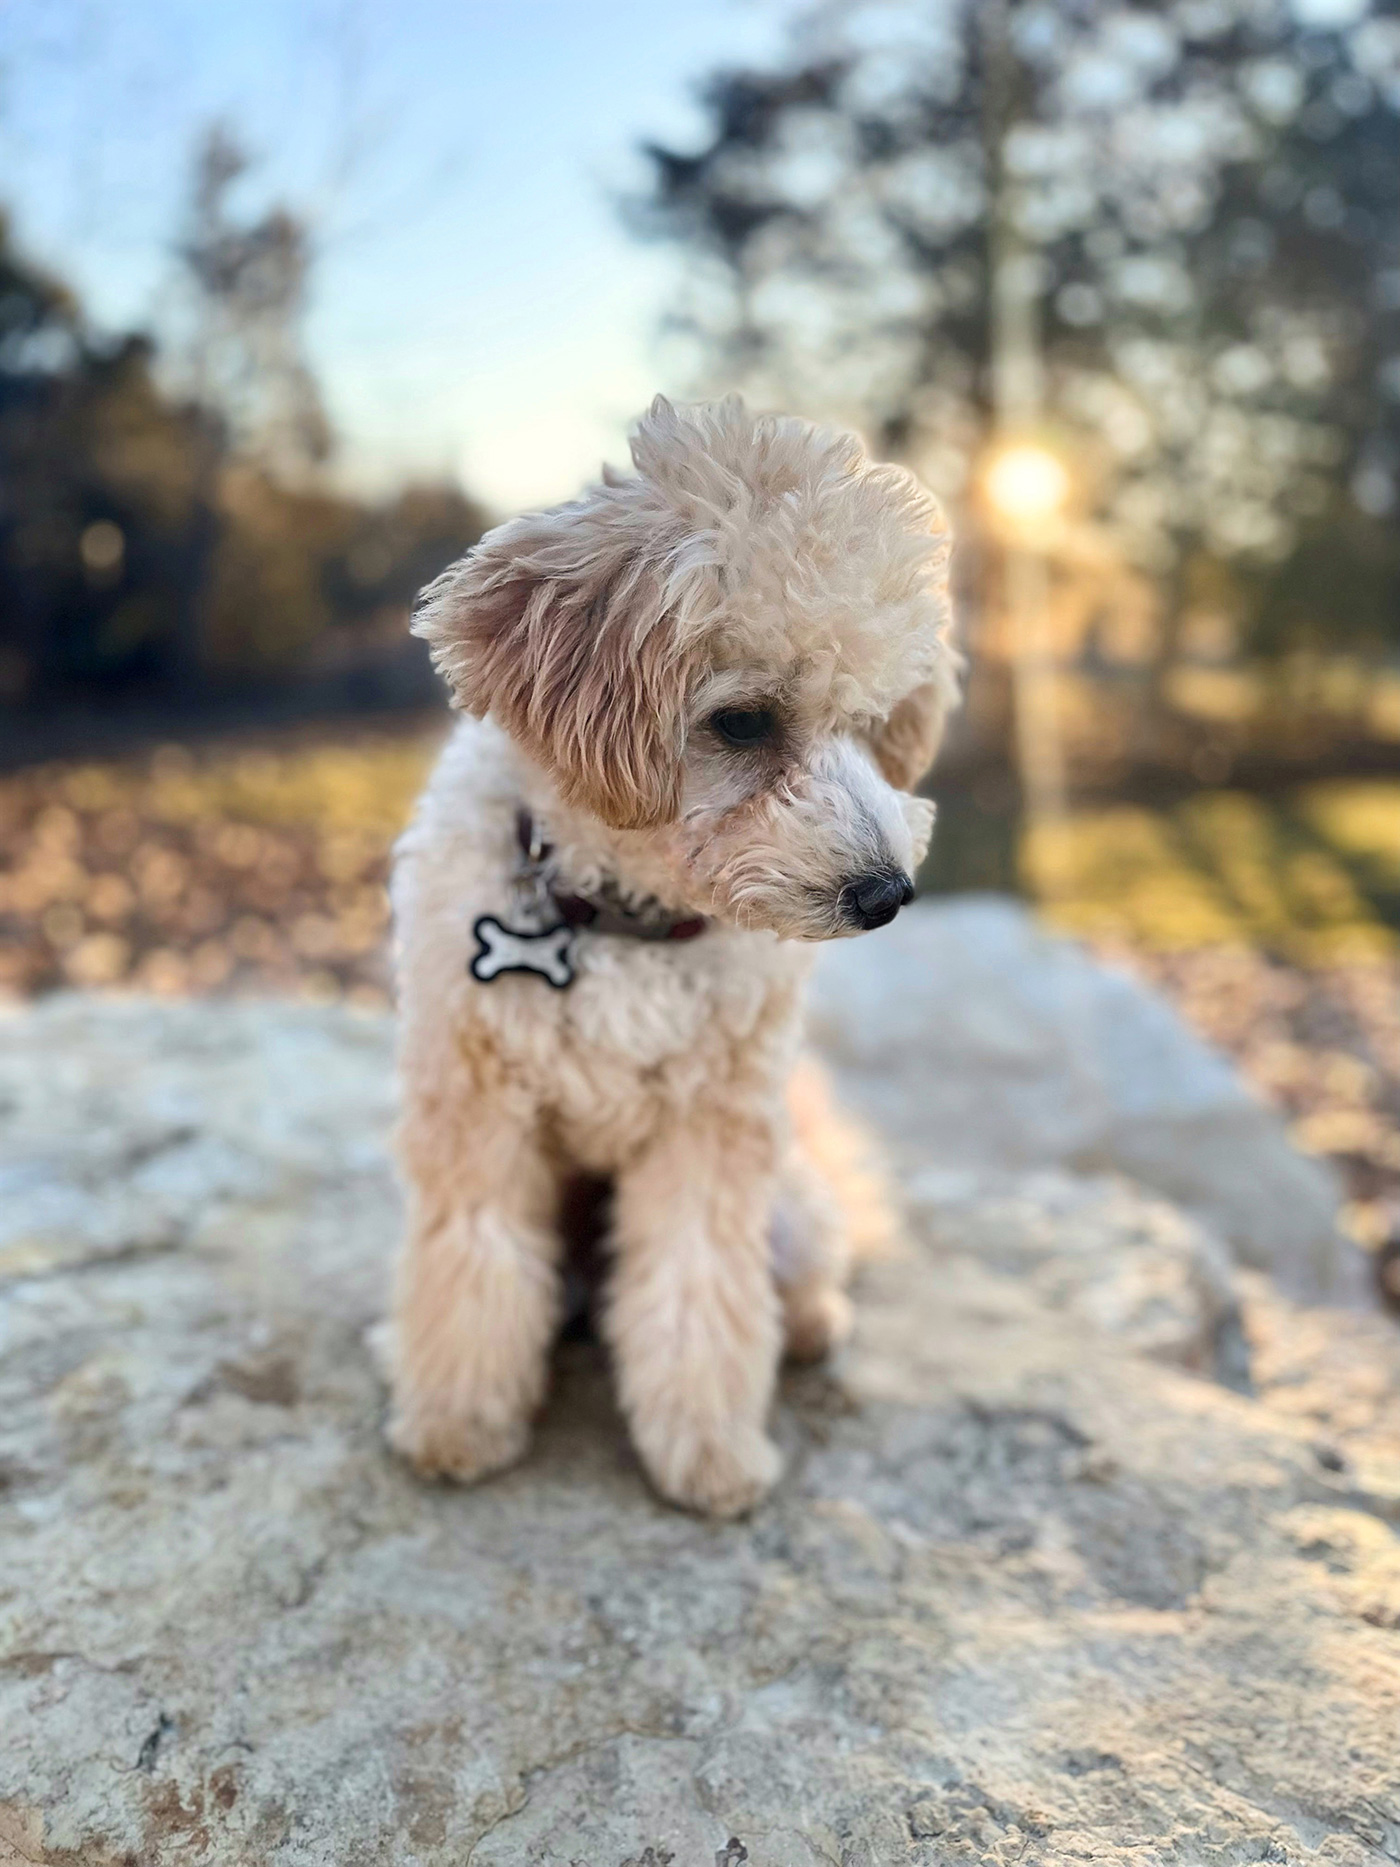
(298, 297)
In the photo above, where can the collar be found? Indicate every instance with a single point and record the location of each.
(600, 914)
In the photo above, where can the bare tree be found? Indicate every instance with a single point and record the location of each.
(245, 354)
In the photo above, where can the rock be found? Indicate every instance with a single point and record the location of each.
(1026, 1594)
(1098, 1251)
(975, 1039)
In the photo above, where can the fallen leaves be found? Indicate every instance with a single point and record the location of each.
(233, 868)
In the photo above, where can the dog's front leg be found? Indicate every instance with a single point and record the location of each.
(477, 1291)
(693, 1318)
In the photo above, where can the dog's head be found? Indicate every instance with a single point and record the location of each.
(736, 656)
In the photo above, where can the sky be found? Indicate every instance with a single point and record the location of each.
(478, 309)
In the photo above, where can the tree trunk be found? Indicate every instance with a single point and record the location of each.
(1150, 741)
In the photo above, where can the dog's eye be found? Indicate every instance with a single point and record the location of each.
(745, 726)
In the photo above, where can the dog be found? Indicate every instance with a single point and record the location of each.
(697, 699)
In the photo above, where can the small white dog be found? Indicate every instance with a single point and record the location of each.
(701, 697)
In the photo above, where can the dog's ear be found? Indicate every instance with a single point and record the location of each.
(560, 632)
(907, 744)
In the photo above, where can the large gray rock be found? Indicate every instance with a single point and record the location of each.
(975, 1039)
(1029, 1592)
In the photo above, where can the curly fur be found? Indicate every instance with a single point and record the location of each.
(750, 561)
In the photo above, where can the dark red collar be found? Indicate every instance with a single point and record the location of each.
(602, 916)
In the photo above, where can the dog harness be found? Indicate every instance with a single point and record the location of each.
(547, 949)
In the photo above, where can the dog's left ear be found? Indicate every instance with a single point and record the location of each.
(907, 744)
(560, 632)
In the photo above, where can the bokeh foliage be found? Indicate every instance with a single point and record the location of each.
(1207, 193)
(143, 547)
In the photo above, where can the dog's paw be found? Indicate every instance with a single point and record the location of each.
(461, 1450)
(719, 1477)
(816, 1323)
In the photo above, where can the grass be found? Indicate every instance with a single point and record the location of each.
(1312, 876)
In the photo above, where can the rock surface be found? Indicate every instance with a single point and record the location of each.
(974, 1038)
(1031, 1591)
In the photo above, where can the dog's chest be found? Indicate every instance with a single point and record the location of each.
(643, 1030)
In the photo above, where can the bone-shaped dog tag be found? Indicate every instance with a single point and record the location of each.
(501, 949)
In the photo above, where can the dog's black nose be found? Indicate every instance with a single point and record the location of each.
(872, 900)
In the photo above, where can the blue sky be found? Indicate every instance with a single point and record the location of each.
(477, 309)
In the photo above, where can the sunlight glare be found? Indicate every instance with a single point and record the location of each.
(1027, 484)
